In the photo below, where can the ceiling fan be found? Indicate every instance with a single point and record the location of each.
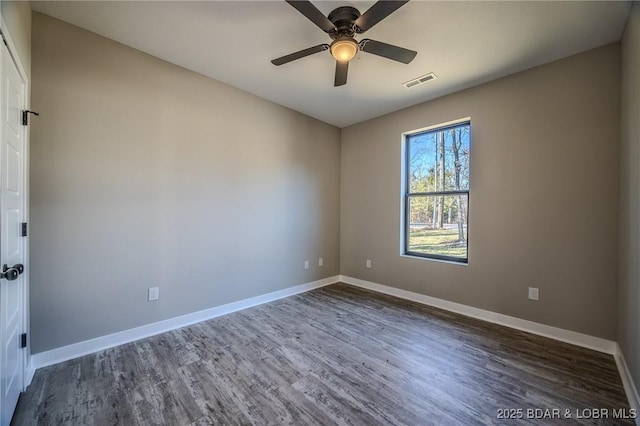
(342, 24)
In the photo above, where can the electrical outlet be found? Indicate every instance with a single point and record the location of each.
(154, 293)
(534, 293)
(306, 264)
(368, 263)
(320, 261)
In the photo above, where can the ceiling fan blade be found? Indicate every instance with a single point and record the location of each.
(388, 51)
(300, 54)
(313, 14)
(341, 73)
(377, 13)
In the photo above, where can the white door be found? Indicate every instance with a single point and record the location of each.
(12, 244)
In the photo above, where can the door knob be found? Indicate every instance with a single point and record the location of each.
(9, 273)
(19, 267)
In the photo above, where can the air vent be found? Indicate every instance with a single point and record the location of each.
(417, 81)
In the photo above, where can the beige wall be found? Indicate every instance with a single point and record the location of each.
(629, 292)
(17, 16)
(543, 202)
(145, 174)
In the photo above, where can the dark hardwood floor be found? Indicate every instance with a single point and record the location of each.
(336, 355)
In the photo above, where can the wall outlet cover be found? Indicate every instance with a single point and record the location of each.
(154, 293)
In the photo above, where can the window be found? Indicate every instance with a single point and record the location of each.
(436, 193)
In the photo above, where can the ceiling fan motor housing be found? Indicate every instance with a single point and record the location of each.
(343, 18)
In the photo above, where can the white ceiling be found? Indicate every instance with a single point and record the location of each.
(463, 43)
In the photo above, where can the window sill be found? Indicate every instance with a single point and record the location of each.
(450, 262)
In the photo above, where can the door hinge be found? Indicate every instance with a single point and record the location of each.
(25, 116)
(23, 230)
(23, 340)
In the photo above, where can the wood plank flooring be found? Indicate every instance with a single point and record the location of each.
(336, 355)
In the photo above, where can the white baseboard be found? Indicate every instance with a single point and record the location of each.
(627, 381)
(79, 349)
(578, 339)
(29, 372)
(86, 347)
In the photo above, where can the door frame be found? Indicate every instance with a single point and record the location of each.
(28, 369)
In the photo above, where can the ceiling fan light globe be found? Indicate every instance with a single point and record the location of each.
(344, 50)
